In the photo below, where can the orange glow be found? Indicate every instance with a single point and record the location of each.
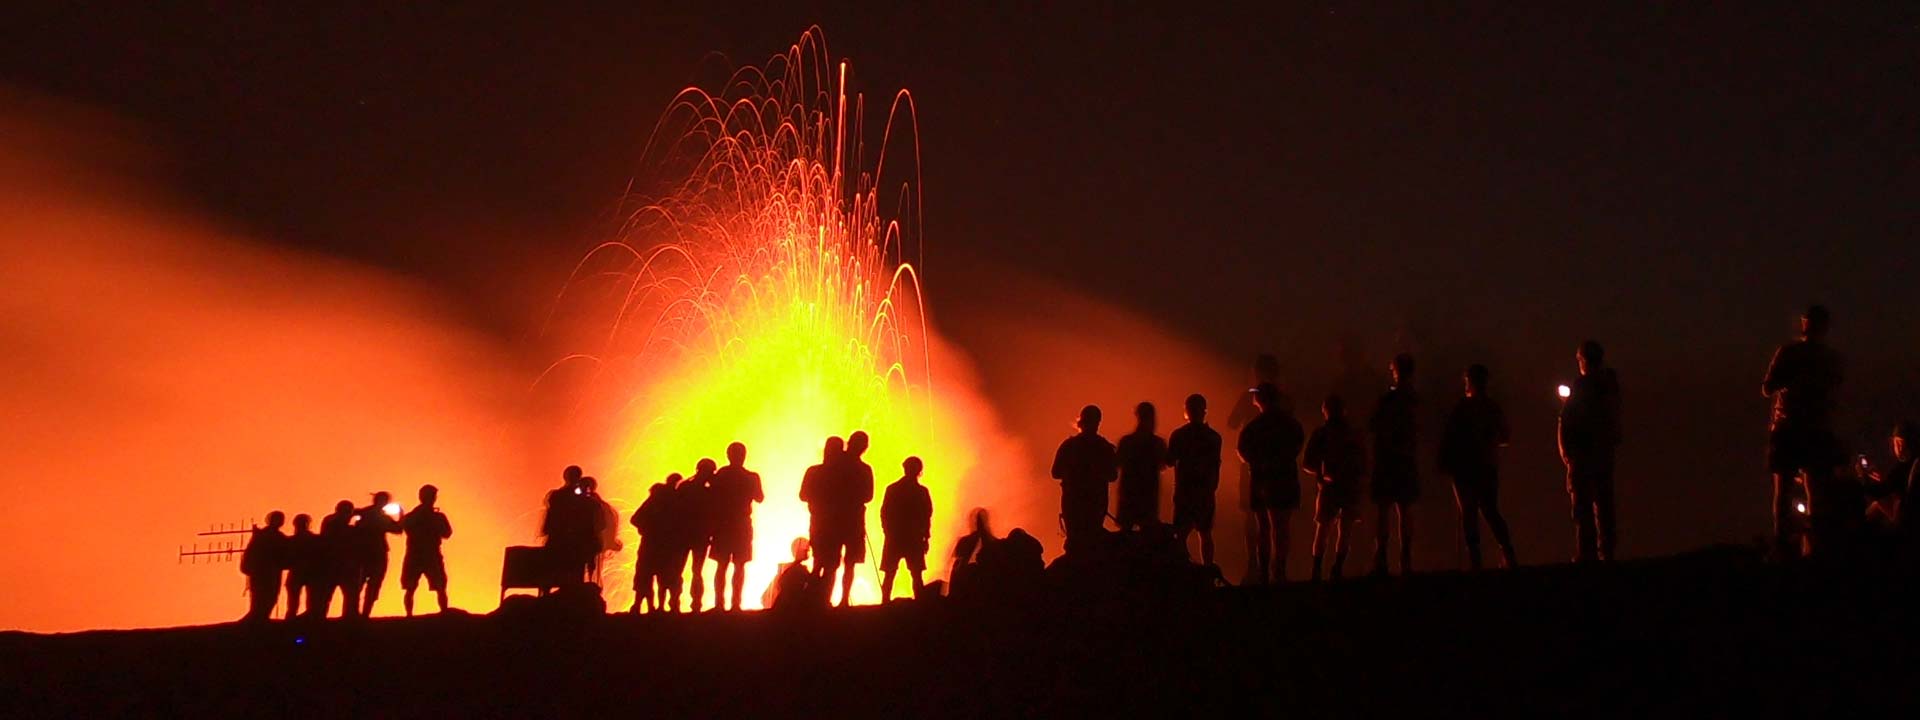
(769, 298)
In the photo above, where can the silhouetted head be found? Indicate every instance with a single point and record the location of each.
(1815, 322)
(344, 507)
(381, 498)
(1591, 356)
(1089, 421)
(657, 488)
(1476, 377)
(673, 480)
(1266, 397)
(980, 522)
(302, 523)
(1902, 439)
(1333, 407)
(736, 454)
(912, 467)
(429, 495)
(705, 467)
(858, 442)
(275, 519)
(571, 476)
(800, 548)
(1401, 369)
(1266, 368)
(1146, 419)
(835, 448)
(589, 485)
(1196, 408)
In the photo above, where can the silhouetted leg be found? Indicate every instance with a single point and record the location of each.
(1263, 554)
(1821, 535)
(319, 600)
(919, 582)
(1783, 520)
(1469, 505)
(293, 600)
(699, 589)
(1490, 508)
(406, 600)
(1282, 543)
(1580, 493)
(1206, 546)
(1322, 530)
(350, 598)
(1603, 510)
(376, 576)
(1344, 527)
(846, 584)
(1382, 533)
(739, 581)
(886, 580)
(1405, 515)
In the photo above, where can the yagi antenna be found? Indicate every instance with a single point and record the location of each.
(217, 550)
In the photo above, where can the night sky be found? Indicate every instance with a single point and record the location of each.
(1476, 183)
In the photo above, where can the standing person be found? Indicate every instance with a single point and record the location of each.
(305, 563)
(1336, 457)
(606, 526)
(426, 527)
(1802, 381)
(855, 482)
(1193, 452)
(693, 508)
(262, 562)
(373, 524)
(655, 546)
(1269, 445)
(1470, 452)
(1893, 488)
(1395, 426)
(735, 489)
(1085, 464)
(569, 525)
(340, 556)
(906, 518)
(1589, 433)
(1142, 454)
(1264, 371)
(817, 488)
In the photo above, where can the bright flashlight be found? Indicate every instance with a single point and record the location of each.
(1800, 507)
(1565, 392)
(393, 509)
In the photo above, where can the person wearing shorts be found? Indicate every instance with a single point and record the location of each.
(1193, 451)
(1269, 445)
(425, 527)
(1336, 457)
(906, 519)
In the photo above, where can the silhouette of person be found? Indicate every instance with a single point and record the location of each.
(854, 478)
(425, 527)
(572, 538)
(962, 572)
(1802, 381)
(305, 563)
(1589, 432)
(694, 503)
(649, 520)
(1193, 451)
(906, 519)
(734, 491)
(1141, 455)
(794, 586)
(1337, 458)
(372, 526)
(606, 526)
(339, 546)
(818, 489)
(1470, 453)
(1395, 427)
(1269, 445)
(262, 561)
(1085, 464)
(1265, 370)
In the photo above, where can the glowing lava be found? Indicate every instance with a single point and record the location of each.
(767, 299)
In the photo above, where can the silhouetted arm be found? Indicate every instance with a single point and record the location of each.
(759, 489)
(1774, 381)
(446, 526)
(1315, 453)
(1060, 462)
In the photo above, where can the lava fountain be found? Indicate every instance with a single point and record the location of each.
(770, 296)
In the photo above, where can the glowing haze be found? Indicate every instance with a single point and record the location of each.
(770, 297)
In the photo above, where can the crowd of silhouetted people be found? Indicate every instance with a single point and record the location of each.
(1346, 460)
(348, 557)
